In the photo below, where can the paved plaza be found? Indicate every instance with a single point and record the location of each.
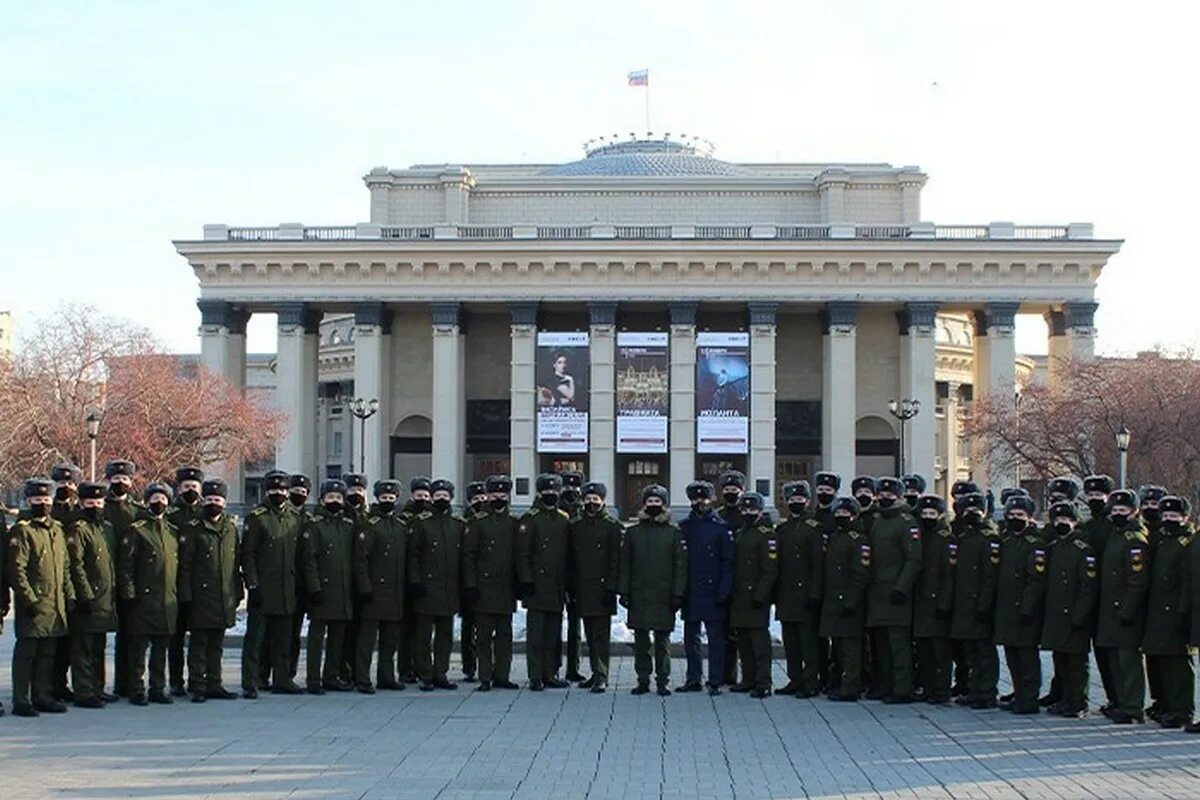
(573, 744)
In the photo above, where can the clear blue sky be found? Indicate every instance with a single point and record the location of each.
(125, 125)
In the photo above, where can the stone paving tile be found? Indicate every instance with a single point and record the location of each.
(572, 744)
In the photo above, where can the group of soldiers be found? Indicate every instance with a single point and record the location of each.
(881, 592)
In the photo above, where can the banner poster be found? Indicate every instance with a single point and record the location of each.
(722, 392)
(563, 368)
(643, 392)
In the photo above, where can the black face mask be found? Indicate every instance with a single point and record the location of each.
(1172, 525)
(91, 512)
(885, 502)
(39, 511)
(355, 500)
(419, 505)
(157, 508)
(276, 499)
(297, 499)
(118, 489)
(477, 506)
(1119, 519)
(499, 504)
(825, 500)
(570, 496)
(797, 508)
(750, 516)
(731, 497)
(386, 506)
(441, 505)
(973, 515)
(652, 511)
(1017, 525)
(332, 507)
(549, 498)
(190, 496)
(864, 499)
(63, 493)
(1097, 505)
(212, 510)
(1063, 528)
(699, 507)
(844, 523)
(928, 524)
(592, 508)
(1151, 514)
(912, 499)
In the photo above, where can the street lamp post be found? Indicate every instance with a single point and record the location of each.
(363, 410)
(1123, 448)
(903, 410)
(93, 430)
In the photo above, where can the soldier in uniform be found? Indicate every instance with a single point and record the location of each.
(210, 590)
(653, 582)
(380, 579)
(299, 487)
(914, 487)
(755, 572)
(843, 606)
(434, 574)
(933, 599)
(269, 543)
(327, 545)
(477, 497)
(863, 489)
(571, 502)
(731, 483)
(65, 510)
(798, 591)
(5, 597)
(1165, 641)
(184, 510)
(826, 485)
(489, 581)
(148, 577)
(709, 542)
(1124, 581)
(1071, 594)
(1149, 496)
(39, 572)
(1095, 530)
(418, 501)
(1020, 593)
(593, 570)
(1060, 490)
(121, 508)
(896, 556)
(971, 621)
(542, 538)
(92, 548)
(355, 509)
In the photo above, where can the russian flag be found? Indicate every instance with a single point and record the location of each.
(639, 77)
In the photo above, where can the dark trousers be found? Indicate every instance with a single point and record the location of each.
(848, 658)
(573, 626)
(33, 670)
(254, 649)
(1107, 680)
(1129, 671)
(542, 632)
(494, 646)
(387, 634)
(157, 643)
(328, 635)
(175, 653)
(892, 647)
(936, 663)
(62, 665)
(121, 657)
(408, 642)
(261, 628)
(731, 663)
(435, 637)
(801, 648)
(1177, 682)
(598, 631)
(958, 652)
(1025, 669)
(87, 663)
(754, 650)
(983, 668)
(1071, 669)
(1154, 682)
(205, 651)
(347, 668)
(643, 660)
(294, 643)
(693, 650)
(468, 645)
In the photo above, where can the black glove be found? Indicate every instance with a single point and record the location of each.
(1025, 619)
(255, 599)
(70, 606)
(983, 616)
(941, 614)
(417, 590)
(812, 604)
(83, 606)
(316, 598)
(1184, 625)
(624, 601)
(756, 603)
(899, 598)
(847, 611)
(471, 595)
(676, 604)
(610, 597)
(525, 590)
(185, 613)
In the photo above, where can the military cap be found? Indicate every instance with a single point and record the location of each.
(913, 483)
(751, 501)
(1063, 510)
(214, 486)
(1151, 493)
(797, 489)
(700, 490)
(931, 501)
(1009, 493)
(157, 487)
(275, 479)
(655, 490)
(1123, 497)
(549, 482)
(188, 474)
(298, 481)
(862, 482)
(830, 479)
(1067, 486)
(731, 477)
(419, 483)
(847, 504)
(333, 485)
(39, 487)
(120, 466)
(442, 485)
(476, 487)
(355, 481)
(1098, 483)
(65, 473)
(1020, 501)
(90, 490)
(892, 485)
(1175, 503)
(499, 483)
(974, 500)
(597, 488)
(571, 478)
(963, 487)
(386, 487)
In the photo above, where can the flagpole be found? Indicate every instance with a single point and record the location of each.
(647, 103)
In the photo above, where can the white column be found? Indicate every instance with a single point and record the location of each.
(918, 363)
(838, 389)
(995, 378)
(223, 352)
(449, 395)
(1056, 346)
(523, 400)
(762, 396)
(602, 420)
(950, 439)
(1080, 324)
(296, 370)
(372, 363)
(682, 429)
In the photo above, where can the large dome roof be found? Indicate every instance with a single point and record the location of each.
(652, 158)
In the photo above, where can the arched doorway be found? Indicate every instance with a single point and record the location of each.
(412, 447)
(876, 447)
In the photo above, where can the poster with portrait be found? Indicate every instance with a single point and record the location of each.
(643, 392)
(563, 365)
(722, 392)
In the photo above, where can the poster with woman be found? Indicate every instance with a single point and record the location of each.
(722, 392)
(563, 365)
(643, 392)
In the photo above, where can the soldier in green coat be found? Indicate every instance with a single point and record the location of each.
(1124, 582)
(1191, 600)
(39, 573)
(1020, 593)
(933, 598)
(65, 509)
(571, 502)
(1165, 641)
(843, 606)
(380, 579)
(299, 487)
(185, 508)
(1096, 530)
(489, 581)
(594, 570)
(210, 590)
(798, 590)
(731, 484)
(269, 571)
(356, 510)
(972, 618)
(434, 571)
(652, 584)
(326, 546)
(1071, 594)
(92, 547)
(121, 508)
(148, 576)
(477, 505)
(542, 537)
(755, 573)
(418, 501)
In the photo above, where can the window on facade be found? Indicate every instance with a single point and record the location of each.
(333, 470)
(337, 443)
(486, 467)
(562, 465)
(645, 468)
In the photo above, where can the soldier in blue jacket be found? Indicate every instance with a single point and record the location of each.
(709, 541)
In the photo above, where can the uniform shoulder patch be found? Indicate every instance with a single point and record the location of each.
(1080, 543)
(258, 511)
(425, 515)
(1135, 536)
